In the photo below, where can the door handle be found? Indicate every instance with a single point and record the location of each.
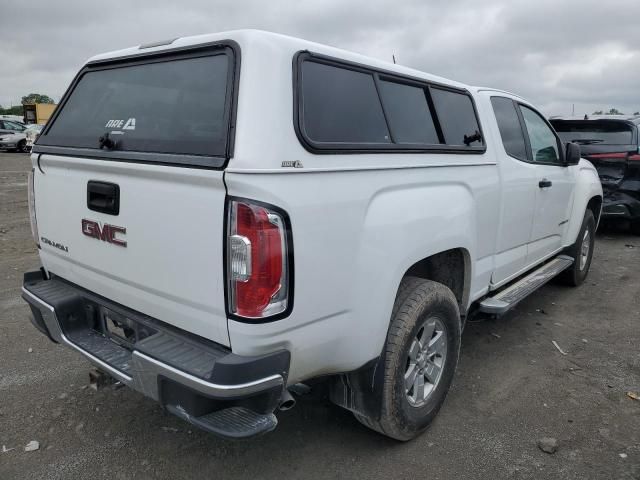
(103, 197)
(544, 183)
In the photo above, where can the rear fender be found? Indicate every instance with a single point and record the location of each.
(402, 227)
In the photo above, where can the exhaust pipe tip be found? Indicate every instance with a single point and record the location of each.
(287, 402)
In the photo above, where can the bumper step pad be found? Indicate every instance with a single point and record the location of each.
(508, 298)
(232, 423)
(181, 353)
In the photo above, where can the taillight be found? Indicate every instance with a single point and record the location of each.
(608, 156)
(632, 157)
(257, 260)
(32, 207)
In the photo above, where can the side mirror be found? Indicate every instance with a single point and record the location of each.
(572, 154)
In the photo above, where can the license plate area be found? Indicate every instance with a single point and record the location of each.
(121, 329)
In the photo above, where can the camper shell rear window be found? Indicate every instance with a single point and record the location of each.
(175, 107)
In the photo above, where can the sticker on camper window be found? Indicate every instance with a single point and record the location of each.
(129, 124)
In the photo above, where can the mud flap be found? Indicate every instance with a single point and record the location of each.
(360, 391)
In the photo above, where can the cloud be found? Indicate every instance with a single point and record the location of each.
(557, 54)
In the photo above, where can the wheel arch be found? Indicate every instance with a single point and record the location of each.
(451, 268)
(595, 205)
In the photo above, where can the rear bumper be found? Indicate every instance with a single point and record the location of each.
(194, 378)
(621, 205)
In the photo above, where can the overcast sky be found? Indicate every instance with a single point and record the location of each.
(556, 53)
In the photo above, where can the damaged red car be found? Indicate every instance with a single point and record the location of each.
(612, 144)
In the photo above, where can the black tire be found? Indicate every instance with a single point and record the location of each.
(22, 146)
(635, 227)
(577, 273)
(417, 301)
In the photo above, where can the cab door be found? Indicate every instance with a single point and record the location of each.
(518, 191)
(554, 186)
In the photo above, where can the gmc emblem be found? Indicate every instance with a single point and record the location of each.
(106, 232)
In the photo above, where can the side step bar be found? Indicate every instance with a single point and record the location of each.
(506, 299)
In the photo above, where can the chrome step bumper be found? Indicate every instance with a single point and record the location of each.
(161, 362)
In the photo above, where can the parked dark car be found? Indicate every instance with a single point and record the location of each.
(612, 144)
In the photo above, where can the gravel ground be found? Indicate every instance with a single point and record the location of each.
(511, 389)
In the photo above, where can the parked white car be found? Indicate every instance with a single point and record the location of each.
(12, 135)
(306, 213)
(16, 141)
(8, 126)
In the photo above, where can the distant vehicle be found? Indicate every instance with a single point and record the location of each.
(9, 126)
(32, 133)
(14, 141)
(612, 144)
(12, 136)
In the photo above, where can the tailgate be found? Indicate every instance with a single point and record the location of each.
(129, 189)
(171, 267)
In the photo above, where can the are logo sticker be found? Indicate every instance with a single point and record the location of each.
(129, 124)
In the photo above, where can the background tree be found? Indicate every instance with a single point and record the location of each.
(15, 110)
(612, 111)
(636, 113)
(36, 98)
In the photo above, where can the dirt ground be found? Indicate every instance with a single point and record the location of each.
(512, 388)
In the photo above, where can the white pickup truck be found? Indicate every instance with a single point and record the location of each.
(222, 217)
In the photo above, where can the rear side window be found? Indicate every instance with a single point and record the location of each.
(510, 128)
(348, 107)
(408, 113)
(456, 114)
(593, 132)
(341, 106)
(178, 106)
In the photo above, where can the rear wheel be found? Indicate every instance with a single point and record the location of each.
(635, 227)
(22, 146)
(582, 252)
(420, 358)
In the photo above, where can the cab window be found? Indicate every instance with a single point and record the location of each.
(510, 127)
(543, 141)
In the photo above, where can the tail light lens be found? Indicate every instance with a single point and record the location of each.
(32, 208)
(631, 157)
(257, 260)
(609, 156)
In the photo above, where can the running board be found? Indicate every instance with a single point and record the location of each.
(506, 299)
